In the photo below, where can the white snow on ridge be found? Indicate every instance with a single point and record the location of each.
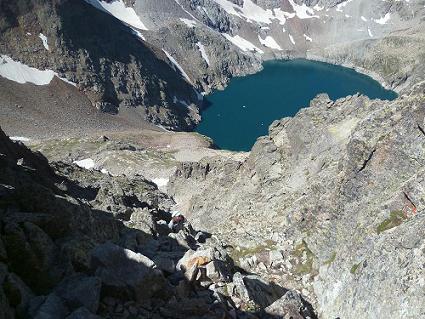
(138, 34)
(270, 43)
(87, 163)
(19, 138)
(203, 52)
(303, 11)
(254, 13)
(177, 66)
(188, 22)
(44, 40)
(292, 39)
(118, 9)
(342, 5)
(384, 19)
(241, 43)
(22, 73)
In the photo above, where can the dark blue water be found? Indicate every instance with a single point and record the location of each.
(245, 109)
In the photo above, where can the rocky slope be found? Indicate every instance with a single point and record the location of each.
(81, 244)
(329, 204)
(338, 192)
(149, 60)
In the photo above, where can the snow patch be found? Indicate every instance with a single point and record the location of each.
(303, 11)
(177, 66)
(87, 163)
(342, 5)
(242, 44)
(188, 22)
(384, 19)
(307, 38)
(138, 34)
(292, 39)
(203, 52)
(160, 182)
(44, 40)
(269, 42)
(21, 73)
(20, 138)
(182, 102)
(118, 9)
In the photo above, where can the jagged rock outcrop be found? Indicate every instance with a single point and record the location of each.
(331, 201)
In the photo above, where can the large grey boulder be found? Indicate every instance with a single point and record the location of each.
(125, 273)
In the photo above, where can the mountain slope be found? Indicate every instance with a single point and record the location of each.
(338, 189)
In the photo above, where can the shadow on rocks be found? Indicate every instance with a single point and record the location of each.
(62, 255)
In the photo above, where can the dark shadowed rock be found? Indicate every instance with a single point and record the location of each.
(80, 290)
(125, 273)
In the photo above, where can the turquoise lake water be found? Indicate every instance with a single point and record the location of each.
(244, 110)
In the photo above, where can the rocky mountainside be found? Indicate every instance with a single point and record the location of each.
(81, 244)
(323, 217)
(150, 60)
(337, 191)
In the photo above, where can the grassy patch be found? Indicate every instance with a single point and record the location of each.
(396, 218)
(237, 254)
(306, 266)
(355, 267)
(331, 259)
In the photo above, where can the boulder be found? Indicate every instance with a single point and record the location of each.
(217, 270)
(52, 308)
(80, 291)
(126, 274)
(17, 292)
(82, 313)
(289, 306)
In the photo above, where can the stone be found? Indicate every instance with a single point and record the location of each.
(80, 291)
(126, 273)
(290, 305)
(82, 313)
(218, 271)
(52, 308)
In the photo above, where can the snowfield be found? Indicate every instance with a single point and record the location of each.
(270, 43)
(21, 73)
(120, 11)
(203, 52)
(44, 40)
(177, 66)
(241, 43)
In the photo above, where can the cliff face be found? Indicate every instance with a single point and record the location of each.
(105, 59)
(338, 190)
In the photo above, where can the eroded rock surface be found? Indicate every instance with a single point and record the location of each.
(331, 201)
